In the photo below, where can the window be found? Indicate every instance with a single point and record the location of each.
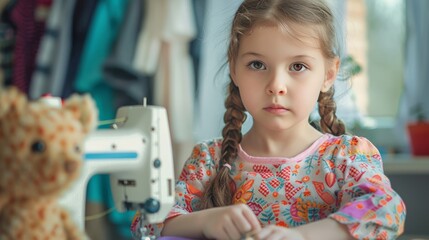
(375, 39)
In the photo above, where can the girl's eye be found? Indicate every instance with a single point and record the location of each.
(257, 65)
(298, 67)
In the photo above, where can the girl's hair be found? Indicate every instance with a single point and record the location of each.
(289, 16)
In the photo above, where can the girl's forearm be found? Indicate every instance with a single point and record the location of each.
(187, 225)
(228, 222)
(325, 229)
(192, 226)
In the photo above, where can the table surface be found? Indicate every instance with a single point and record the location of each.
(173, 238)
(405, 164)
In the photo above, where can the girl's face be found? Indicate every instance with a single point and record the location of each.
(280, 77)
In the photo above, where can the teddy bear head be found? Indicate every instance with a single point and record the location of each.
(41, 145)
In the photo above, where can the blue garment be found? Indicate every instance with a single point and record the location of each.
(82, 15)
(102, 33)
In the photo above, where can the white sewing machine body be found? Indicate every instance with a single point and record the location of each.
(138, 157)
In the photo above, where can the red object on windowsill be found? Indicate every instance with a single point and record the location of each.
(419, 138)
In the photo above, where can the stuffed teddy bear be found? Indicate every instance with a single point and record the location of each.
(40, 157)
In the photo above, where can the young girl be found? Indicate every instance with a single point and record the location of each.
(284, 179)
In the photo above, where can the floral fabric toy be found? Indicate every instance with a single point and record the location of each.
(40, 157)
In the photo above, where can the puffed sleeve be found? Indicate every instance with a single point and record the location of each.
(368, 205)
(196, 174)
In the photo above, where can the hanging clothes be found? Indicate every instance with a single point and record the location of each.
(163, 50)
(3, 5)
(130, 85)
(7, 42)
(53, 56)
(28, 17)
(102, 33)
(81, 21)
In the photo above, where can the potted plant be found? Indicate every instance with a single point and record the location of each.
(418, 132)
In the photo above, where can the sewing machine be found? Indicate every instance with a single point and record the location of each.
(137, 154)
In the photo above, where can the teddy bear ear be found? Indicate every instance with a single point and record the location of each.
(12, 99)
(84, 109)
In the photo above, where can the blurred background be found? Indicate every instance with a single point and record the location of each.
(173, 53)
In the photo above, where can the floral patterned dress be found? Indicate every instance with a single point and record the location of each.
(337, 177)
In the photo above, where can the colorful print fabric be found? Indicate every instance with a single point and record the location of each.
(337, 177)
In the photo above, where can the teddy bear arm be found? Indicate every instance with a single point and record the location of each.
(72, 230)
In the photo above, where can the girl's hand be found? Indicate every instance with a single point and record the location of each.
(230, 222)
(273, 232)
